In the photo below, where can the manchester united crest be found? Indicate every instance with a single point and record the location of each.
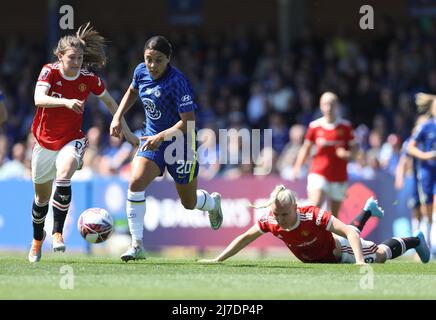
(82, 87)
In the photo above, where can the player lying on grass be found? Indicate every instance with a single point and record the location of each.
(315, 236)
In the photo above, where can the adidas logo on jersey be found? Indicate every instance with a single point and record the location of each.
(318, 219)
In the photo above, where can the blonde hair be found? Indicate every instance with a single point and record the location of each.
(89, 41)
(424, 101)
(329, 95)
(280, 194)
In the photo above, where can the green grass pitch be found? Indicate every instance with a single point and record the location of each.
(173, 279)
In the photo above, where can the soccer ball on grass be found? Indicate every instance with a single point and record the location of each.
(95, 225)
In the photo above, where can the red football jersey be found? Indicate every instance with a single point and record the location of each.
(55, 127)
(327, 137)
(309, 240)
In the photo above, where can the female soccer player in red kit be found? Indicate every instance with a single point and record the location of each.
(60, 94)
(316, 236)
(333, 138)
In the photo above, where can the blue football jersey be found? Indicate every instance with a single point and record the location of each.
(163, 98)
(425, 137)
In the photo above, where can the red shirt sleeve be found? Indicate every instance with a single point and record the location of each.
(322, 218)
(97, 86)
(263, 224)
(310, 134)
(45, 77)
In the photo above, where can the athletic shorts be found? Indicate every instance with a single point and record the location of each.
(173, 155)
(45, 161)
(333, 190)
(414, 200)
(426, 184)
(369, 250)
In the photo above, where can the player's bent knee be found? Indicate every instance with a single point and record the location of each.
(63, 175)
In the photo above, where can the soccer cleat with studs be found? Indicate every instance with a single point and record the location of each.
(372, 206)
(216, 214)
(58, 242)
(35, 251)
(136, 252)
(422, 249)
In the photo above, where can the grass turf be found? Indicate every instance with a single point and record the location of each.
(174, 279)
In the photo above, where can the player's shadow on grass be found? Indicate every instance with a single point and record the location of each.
(256, 265)
(262, 266)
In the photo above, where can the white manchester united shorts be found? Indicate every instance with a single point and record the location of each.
(333, 190)
(369, 250)
(45, 161)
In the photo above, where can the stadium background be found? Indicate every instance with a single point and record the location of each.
(259, 64)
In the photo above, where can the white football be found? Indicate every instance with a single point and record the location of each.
(95, 225)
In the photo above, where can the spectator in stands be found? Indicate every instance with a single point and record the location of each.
(16, 167)
(287, 158)
(114, 156)
(208, 154)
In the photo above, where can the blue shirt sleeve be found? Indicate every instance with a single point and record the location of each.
(2, 97)
(184, 96)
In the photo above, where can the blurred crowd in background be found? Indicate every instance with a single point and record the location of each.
(242, 80)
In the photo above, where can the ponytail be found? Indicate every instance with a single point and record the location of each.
(88, 40)
(280, 194)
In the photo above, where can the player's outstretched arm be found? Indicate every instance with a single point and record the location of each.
(236, 245)
(345, 154)
(414, 151)
(181, 126)
(121, 123)
(346, 231)
(126, 103)
(43, 100)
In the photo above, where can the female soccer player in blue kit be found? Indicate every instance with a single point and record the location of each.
(170, 112)
(423, 147)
